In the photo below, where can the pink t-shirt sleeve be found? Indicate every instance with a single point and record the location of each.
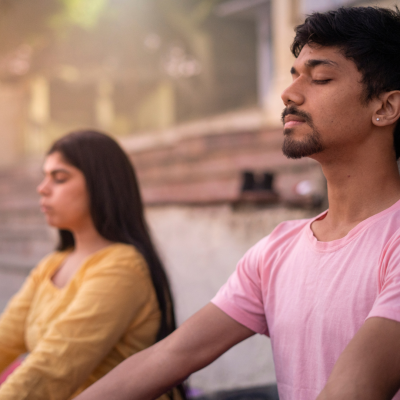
(241, 296)
(387, 304)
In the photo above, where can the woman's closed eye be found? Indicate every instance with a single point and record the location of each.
(60, 177)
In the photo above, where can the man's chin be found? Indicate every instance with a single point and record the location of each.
(292, 155)
(298, 149)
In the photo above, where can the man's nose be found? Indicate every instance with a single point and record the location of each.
(293, 94)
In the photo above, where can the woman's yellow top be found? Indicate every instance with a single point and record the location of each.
(77, 334)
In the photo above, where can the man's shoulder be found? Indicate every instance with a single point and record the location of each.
(287, 230)
(282, 235)
(292, 226)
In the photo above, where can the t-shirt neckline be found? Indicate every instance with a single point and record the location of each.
(352, 234)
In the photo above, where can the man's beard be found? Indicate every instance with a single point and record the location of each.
(295, 149)
(310, 145)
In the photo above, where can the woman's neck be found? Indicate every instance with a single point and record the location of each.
(88, 240)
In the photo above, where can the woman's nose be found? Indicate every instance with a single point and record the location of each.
(42, 188)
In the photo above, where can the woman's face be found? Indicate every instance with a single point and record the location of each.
(64, 196)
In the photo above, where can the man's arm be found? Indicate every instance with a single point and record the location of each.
(369, 367)
(151, 372)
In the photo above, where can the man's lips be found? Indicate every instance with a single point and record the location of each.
(293, 120)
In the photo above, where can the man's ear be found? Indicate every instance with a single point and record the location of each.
(389, 111)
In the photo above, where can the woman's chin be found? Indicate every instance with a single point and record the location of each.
(54, 223)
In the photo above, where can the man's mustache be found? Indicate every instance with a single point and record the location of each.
(295, 111)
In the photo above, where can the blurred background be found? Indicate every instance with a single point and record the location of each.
(191, 89)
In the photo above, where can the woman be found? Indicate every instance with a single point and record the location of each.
(103, 295)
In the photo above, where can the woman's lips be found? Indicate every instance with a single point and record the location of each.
(44, 209)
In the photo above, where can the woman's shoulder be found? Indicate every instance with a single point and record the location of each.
(119, 251)
(48, 264)
(118, 255)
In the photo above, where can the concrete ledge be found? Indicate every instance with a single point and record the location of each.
(229, 123)
(256, 393)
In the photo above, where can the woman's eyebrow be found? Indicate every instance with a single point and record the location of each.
(56, 171)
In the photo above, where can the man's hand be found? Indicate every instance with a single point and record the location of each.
(152, 372)
(369, 367)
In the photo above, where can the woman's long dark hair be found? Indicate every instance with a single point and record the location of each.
(116, 206)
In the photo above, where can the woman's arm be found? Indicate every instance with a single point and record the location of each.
(106, 303)
(150, 373)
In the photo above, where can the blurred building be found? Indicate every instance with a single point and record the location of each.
(193, 94)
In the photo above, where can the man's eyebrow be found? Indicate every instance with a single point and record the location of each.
(314, 63)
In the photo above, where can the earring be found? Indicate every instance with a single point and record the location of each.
(378, 119)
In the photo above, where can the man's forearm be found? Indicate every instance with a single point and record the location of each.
(140, 377)
(152, 372)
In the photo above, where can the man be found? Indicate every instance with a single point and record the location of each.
(326, 290)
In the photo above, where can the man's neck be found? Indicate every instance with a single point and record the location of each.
(357, 190)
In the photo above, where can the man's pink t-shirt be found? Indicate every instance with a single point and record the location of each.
(311, 297)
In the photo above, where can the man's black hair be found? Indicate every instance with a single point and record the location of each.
(369, 36)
